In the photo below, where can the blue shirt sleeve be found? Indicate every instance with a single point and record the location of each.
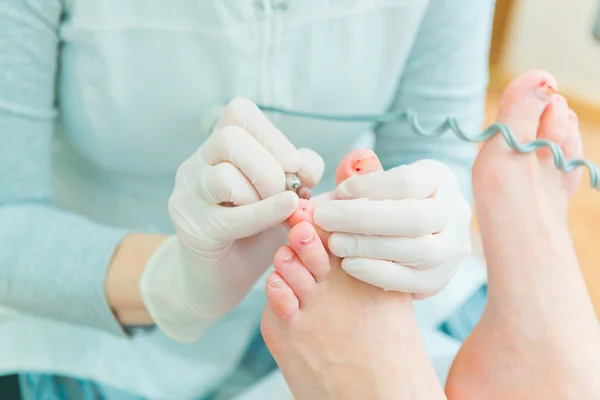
(446, 75)
(52, 263)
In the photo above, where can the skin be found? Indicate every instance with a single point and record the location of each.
(358, 162)
(132, 255)
(123, 276)
(538, 337)
(312, 301)
(243, 120)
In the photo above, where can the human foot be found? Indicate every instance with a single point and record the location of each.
(538, 337)
(327, 330)
(358, 162)
(335, 337)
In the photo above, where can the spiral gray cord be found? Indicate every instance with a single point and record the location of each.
(452, 124)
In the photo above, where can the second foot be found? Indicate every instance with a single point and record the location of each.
(538, 337)
(334, 337)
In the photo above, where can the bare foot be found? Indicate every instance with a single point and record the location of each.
(333, 336)
(538, 337)
(358, 162)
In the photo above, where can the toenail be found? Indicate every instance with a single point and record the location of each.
(286, 254)
(288, 258)
(544, 91)
(275, 283)
(308, 239)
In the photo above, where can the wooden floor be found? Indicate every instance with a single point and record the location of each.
(584, 213)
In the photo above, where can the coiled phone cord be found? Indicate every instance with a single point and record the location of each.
(452, 124)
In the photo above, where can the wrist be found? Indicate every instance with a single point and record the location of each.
(166, 297)
(124, 273)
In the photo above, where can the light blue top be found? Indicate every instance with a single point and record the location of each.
(101, 100)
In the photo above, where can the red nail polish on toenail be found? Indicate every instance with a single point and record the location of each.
(366, 165)
(544, 91)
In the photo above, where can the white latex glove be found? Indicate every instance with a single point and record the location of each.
(405, 229)
(220, 251)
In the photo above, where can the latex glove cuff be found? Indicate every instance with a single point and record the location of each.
(163, 294)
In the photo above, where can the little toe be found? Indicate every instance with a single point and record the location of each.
(281, 297)
(290, 268)
(524, 101)
(305, 241)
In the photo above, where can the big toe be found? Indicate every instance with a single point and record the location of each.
(357, 162)
(524, 101)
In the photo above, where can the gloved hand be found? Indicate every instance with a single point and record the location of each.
(405, 229)
(228, 206)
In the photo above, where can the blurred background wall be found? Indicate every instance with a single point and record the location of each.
(556, 34)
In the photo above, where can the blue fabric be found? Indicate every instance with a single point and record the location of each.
(445, 74)
(53, 387)
(257, 363)
(462, 322)
(57, 237)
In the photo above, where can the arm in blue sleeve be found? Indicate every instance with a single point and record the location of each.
(53, 264)
(446, 75)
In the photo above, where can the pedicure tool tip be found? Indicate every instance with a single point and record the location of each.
(293, 183)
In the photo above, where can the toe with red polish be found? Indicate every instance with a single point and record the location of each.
(358, 162)
(545, 90)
